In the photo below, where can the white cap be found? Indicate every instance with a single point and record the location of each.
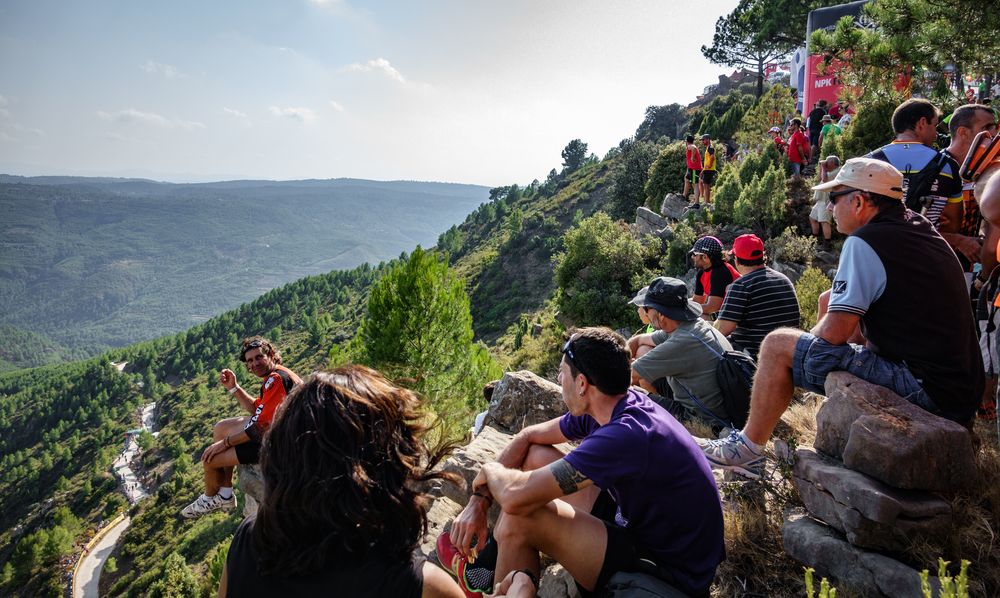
(868, 174)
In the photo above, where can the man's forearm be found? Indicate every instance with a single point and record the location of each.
(545, 433)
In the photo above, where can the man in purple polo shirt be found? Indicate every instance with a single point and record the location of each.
(659, 511)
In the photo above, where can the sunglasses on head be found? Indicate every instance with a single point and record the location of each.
(567, 350)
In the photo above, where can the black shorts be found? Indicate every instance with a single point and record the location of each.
(248, 453)
(814, 137)
(692, 175)
(708, 177)
(622, 552)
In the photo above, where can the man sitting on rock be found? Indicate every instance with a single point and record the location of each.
(684, 351)
(237, 439)
(659, 511)
(898, 278)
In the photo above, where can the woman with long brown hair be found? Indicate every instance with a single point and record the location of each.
(341, 513)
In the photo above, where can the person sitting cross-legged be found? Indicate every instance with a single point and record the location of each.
(659, 511)
(898, 278)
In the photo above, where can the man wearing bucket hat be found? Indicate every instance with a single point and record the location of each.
(898, 280)
(684, 350)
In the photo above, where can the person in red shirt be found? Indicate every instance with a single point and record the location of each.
(692, 159)
(238, 439)
(779, 143)
(714, 275)
(798, 147)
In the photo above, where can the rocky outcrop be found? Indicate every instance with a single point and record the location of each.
(674, 207)
(466, 461)
(522, 399)
(648, 222)
(252, 484)
(870, 513)
(865, 573)
(874, 431)
(870, 485)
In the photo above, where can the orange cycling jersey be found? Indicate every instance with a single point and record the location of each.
(273, 391)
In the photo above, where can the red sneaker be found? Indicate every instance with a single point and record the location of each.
(457, 565)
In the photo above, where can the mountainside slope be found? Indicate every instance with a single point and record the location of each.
(103, 263)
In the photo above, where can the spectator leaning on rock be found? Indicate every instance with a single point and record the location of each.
(899, 280)
(759, 301)
(714, 275)
(684, 352)
(915, 124)
(238, 439)
(819, 217)
(636, 494)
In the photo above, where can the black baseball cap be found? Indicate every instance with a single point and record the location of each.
(669, 296)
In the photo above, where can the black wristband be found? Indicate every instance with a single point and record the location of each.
(488, 499)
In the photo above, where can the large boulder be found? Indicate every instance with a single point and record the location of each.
(869, 513)
(850, 568)
(673, 206)
(874, 431)
(648, 222)
(252, 484)
(439, 517)
(522, 399)
(467, 460)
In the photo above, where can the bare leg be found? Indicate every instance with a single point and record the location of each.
(772, 385)
(827, 231)
(214, 470)
(577, 540)
(815, 226)
(222, 429)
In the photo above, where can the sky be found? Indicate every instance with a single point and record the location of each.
(459, 91)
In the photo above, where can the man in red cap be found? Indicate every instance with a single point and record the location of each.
(759, 301)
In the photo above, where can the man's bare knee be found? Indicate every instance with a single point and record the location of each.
(512, 528)
(540, 456)
(779, 345)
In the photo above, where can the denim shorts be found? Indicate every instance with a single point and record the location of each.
(814, 358)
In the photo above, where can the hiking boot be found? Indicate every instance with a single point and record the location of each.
(733, 454)
(206, 504)
(987, 411)
(474, 581)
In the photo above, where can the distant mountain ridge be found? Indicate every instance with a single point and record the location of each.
(99, 262)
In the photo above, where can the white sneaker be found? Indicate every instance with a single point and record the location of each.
(206, 504)
(732, 453)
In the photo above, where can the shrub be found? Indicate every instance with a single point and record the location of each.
(666, 175)
(725, 194)
(790, 247)
(629, 190)
(674, 263)
(602, 267)
(761, 204)
(871, 129)
(808, 289)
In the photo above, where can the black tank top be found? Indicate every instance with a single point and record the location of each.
(369, 577)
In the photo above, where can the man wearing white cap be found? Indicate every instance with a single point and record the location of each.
(898, 279)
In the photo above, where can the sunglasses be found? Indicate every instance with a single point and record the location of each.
(838, 194)
(567, 350)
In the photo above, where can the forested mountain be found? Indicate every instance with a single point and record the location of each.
(98, 263)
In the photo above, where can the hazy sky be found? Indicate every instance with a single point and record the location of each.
(464, 91)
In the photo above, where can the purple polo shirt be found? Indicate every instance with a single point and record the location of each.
(661, 481)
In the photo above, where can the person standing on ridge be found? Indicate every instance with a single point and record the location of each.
(238, 439)
(692, 159)
(708, 166)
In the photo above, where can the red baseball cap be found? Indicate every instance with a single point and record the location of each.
(748, 247)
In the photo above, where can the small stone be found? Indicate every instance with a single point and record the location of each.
(556, 582)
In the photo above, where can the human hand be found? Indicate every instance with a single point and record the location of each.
(517, 584)
(213, 450)
(227, 378)
(970, 247)
(471, 524)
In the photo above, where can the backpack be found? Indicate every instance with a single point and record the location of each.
(734, 373)
(919, 185)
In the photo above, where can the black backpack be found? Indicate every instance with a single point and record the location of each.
(918, 185)
(734, 372)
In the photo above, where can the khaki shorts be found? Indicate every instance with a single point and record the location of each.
(819, 212)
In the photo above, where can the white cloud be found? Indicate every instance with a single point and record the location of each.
(336, 105)
(378, 64)
(133, 116)
(24, 129)
(166, 70)
(234, 112)
(294, 113)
